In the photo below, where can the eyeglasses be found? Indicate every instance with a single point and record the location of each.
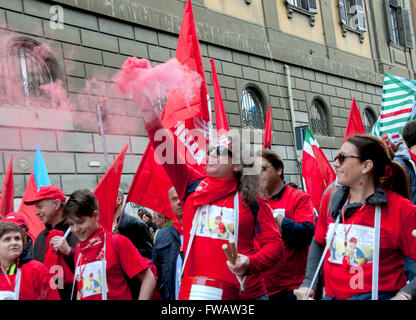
(342, 156)
(264, 167)
(221, 150)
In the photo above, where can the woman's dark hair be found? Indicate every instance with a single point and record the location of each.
(274, 159)
(371, 148)
(409, 133)
(81, 203)
(6, 227)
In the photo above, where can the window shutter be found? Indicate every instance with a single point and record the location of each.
(312, 6)
(389, 27)
(407, 31)
(360, 11)
(342, 12)
(292, 2)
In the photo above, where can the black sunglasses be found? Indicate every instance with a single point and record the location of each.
(342, 156)
(221, 150)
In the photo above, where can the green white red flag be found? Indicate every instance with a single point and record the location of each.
(317, 173)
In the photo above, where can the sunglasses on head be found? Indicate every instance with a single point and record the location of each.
(342, 156)
(221, 150)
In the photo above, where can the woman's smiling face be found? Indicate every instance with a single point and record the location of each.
(11, 245)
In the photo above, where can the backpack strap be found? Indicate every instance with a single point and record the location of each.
(255, 210)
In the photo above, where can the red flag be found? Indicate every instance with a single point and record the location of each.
(35, 224)
(107, 189)
(317, 173)
(220, 115)
(267, 142)
(189, 128)
(7, 193)
(355, 124)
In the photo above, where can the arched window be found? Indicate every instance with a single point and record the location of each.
(25, 67)
(319, 119)
(369, 118)
(252, 109)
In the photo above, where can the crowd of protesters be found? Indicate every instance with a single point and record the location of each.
(238, 235)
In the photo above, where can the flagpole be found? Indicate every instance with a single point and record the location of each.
(103, 142)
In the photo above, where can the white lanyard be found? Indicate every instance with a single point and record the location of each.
(195, 226)
(103, 272)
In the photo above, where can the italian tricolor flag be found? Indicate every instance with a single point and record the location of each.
(317, 173)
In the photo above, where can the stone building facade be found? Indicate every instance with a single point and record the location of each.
(307, 59)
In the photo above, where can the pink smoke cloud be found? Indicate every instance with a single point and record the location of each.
(137, 77)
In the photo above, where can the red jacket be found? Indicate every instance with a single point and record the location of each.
(34, 282)
(289, 272)
(206, 257)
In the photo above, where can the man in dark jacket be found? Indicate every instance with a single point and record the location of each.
(407, 159)
(168, 253)
(49, 202)
(132, 228)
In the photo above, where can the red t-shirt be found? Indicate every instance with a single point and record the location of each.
(128, 259)
(289, 272)
(398, 219)
(34, 282)
(413, 156)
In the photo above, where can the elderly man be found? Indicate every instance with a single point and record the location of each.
(168, 253)
(293, 211)
(49, 202)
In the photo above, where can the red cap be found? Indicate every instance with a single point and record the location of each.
(16, 218)
(47, 192)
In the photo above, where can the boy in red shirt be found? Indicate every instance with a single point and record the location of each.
(102, 259)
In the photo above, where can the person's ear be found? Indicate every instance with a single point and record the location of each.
(96, 215)
(367, 166)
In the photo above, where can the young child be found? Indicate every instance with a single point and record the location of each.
(103, 259)
(21, 277)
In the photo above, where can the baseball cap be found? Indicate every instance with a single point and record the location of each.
(46, 192)
(16, 218)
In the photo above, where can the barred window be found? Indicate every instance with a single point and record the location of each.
(25, 67)
(319, 118)
(369, 118)
(252, 109)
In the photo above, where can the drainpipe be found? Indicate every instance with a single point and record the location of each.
(293, 119)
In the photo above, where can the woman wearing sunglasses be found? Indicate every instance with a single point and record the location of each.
(217, 209)
(368, 230)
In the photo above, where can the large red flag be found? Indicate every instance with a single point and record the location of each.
(189, 127)
(221, 121)
(107, 189)
(7, 193)
(355, 124)
(267, 141)
(317, 173)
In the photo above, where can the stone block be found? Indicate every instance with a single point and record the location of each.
(268, 77)
(83, 161)
(348, 84)
(115, 28)
(226, 81)
(168, 41)
(145, 35)
(133, 48)
(343, 93)
(82, 54)
(257, 62)
(126, 181)
(316, 87)
(234, 120)
(75, 142)
(308, 74)
(139, 144)
(230, 94)
(320, 77)
(15, 5)
(67, 34)
(302, 84)
(241, 58)
(10, 138)
(45, 139)
(220, 54)
(113, 60)
(99, 40)
(131, 163)
(114, 144)
(73, 68)
(24, 23)
(85, 121)
(158, 54)
(250, 74)
(72, 182)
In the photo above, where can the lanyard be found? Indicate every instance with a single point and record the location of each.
(5, 273)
